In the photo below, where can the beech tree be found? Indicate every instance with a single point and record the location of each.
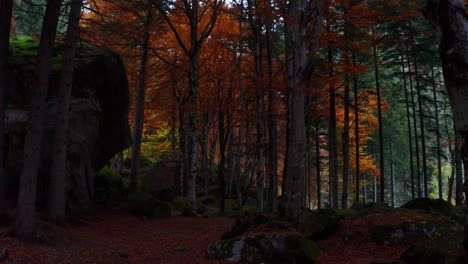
(302, 23)
(198, 34)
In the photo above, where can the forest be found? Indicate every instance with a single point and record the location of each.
(233, 131)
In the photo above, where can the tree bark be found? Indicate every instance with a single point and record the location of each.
(317, 164)
(408, 117)
(421, 127)
(332, 135)
(6, 7)
(379, 113)
(356, 132)
(449, 18)
(413, 106)
(58, 177)
(300, 57)
(437, 128)
(140, 104)
(25, 215)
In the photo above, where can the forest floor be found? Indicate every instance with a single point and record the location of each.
(115, 236)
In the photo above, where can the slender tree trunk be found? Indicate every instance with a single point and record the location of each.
(458, 171)
(408, 117)
(356, 133)
(222, 155)
(413, 106)
(379, 112)
(437, 128)
(25, 214)
(392, 175)
(344, 197)
(6, 7)
(139, 106)
(317, 163)
(205, 153)
(332, 134)
(421, 122)
(57, 184)
(273, 134)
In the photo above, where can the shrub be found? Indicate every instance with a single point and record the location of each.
(178, 203)
(110, 186)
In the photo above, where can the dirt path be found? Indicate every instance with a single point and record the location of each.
(117, 237)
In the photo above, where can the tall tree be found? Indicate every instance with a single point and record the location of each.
(57, 197)
(379, 112)
(6, 7)
(302, 23)
(25, 215)
(140, 98)
(437, 129)
(450, 20)
(192, 50)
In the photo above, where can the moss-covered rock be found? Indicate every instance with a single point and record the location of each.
(266, 248)
(98, 116)
(145, 205)
(432, 206)
(429, 242)
(318, 223)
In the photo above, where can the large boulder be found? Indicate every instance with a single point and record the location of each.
(287, 247)
(436, 241)
(98, 116)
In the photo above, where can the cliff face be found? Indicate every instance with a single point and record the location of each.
(98, 117)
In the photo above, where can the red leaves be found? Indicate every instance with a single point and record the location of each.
(115, 237)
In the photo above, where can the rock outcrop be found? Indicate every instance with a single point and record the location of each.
(98, 117)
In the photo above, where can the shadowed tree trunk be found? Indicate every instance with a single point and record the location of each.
(449, 19)
(58, 177)
(300, 57)
(437, 128)
(6, 7)
(140, 104)
(408, 117)
(26, 212)
(379, 113)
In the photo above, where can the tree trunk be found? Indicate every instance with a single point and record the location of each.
(205, 174)
(333, 138)
(58, 177)
(344, 197)
(273, 133)
(25, 214)
(437, 128)
(6, 8)
(300, 57)
(408, 117)
(222, 155)
(140, 105)
(413, 106)
(450, 19)
(421, 127)
(379, 112)
(317, 163)
(356, 132)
